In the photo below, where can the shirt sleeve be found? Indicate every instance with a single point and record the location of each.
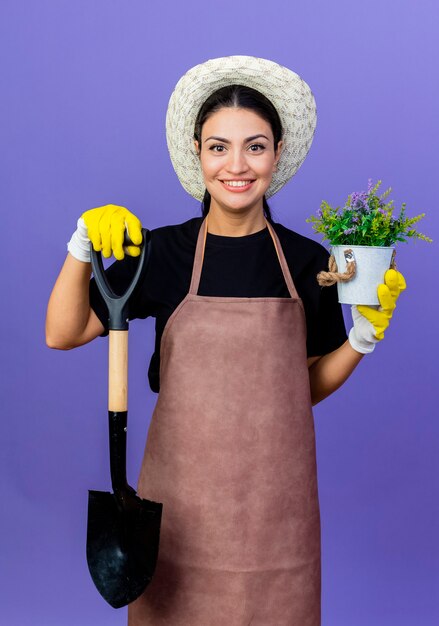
(119, 275)
(326, 327)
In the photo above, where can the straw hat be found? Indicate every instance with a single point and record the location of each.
(290, 95)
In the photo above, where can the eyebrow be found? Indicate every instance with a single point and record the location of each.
(252, 138)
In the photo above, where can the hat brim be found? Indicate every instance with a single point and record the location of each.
(290, 95)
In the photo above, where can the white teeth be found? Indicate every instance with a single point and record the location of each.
(236, 183)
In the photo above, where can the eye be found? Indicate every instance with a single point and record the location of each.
(256, 147)
(217, 148)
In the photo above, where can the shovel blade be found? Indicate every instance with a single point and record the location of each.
(122, 545)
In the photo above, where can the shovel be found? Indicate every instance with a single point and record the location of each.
(122, 530)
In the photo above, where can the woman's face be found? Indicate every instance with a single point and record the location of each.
(237, 158)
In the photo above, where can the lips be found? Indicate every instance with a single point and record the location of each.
(238, 185)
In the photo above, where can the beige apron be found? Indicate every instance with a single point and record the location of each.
(231, 454)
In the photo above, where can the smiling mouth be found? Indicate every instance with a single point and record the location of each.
(237, 184)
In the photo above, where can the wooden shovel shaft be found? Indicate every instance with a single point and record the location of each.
(118, 370)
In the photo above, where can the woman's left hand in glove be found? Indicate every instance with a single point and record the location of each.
(371, 322)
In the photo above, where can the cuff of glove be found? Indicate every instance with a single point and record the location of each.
(79, 244)
(360, 345)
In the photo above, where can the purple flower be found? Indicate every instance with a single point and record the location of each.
(359, 200)
(355, 197)
(320, 213)
(369, 185)
(349, 231)
(355, 219)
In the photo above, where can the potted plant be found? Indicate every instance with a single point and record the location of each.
(362, 235)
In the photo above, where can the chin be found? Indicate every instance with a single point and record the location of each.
(237, 203)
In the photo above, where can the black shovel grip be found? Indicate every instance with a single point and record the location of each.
(117, 422)
(118, 310)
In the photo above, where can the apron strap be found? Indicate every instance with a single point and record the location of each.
(199, 257)
(283, 262)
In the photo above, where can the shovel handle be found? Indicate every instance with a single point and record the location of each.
(118, 370)
(118, 312)
(118, 305)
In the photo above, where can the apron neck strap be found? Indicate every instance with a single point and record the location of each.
(199, 257)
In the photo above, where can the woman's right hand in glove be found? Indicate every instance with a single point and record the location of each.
(105, 227)
(70, 321)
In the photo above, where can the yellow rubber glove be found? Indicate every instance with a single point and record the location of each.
(370, 322)
(106, 227)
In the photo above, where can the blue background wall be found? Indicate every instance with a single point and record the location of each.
(85, 86)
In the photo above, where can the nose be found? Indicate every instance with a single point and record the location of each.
(237, 162)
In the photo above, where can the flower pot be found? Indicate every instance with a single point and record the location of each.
(372, 262)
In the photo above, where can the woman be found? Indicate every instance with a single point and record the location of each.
(246, 342)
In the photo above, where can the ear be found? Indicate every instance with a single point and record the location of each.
(278, 152)
(196, 144)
